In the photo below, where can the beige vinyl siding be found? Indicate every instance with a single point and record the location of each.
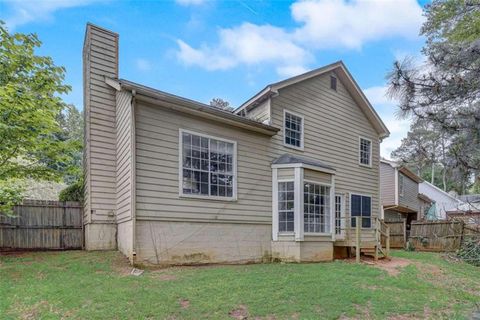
(410, 193)
(387, 184)
(316, 176)
(285, 174)
(157, 170)
(333, 124)
(100, 56)
(260, 113)
(124, 156)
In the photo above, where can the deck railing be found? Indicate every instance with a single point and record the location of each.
(353, 231)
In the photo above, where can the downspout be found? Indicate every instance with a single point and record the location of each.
(396, 187)
(133, 199)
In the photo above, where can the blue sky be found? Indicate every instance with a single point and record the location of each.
(231, 49)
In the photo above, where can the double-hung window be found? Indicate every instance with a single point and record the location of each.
(207, 166)
(316, 208)
(361, 206)
(365, 152)
(286, 206)
(293, 130)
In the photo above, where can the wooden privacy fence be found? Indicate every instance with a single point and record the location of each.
(440, 235)
(397, 233)
(38, 224)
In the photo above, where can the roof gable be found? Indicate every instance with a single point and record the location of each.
(348, 82)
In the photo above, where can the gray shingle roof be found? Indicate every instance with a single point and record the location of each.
(289, 159)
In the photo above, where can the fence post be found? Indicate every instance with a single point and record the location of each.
(358, 239)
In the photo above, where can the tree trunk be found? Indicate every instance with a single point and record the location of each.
(433, 173)
(444, 178)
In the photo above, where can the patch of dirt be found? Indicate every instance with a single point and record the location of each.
(30, 312)
(393, 266)
(364, 312)
(184, 303)
(270, 317)
(241, 313)
(163, 275)
(121, 266)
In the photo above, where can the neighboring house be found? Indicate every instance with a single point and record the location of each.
(170, 180)
(400, 192)
(442, 201)
(426, 207)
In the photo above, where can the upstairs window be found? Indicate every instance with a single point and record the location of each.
(333, 83)
(365, 152)
(208, 166)
(293, 130)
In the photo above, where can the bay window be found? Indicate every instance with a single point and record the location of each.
(316, 208)
(286, 206)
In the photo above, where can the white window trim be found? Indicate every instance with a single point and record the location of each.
(302, 137)
(180, 167)
(285, 233)
(298, 203)
(330, 185)
(341, 235)
(359, 152)
(371, 207)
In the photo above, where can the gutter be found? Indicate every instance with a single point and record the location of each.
(185, 105)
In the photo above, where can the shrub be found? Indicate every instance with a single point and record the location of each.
(73, 192)
(470, 251)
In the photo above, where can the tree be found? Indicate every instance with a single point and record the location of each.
(219, 103)
(71, 123)
(31, 146)
(445, 90)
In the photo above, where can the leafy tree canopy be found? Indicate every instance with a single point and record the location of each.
(219, 103)
(31, 142)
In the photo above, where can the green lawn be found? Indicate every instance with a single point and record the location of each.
(96, 285)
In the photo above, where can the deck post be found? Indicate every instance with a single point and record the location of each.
(377, 238)
(387, 232)
(358, 239)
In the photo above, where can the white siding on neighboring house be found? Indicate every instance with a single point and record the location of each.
(443, 201)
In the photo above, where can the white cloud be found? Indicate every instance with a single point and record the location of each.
(386, 108)
(190, 2)
(25, 11)
(322, 24)
(143, 64)
(350, 24)
(247, 44)
(378, 96)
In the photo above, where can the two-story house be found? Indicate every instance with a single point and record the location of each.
(400, 195)
(170, 180)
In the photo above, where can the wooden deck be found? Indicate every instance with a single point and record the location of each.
(373, 241)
